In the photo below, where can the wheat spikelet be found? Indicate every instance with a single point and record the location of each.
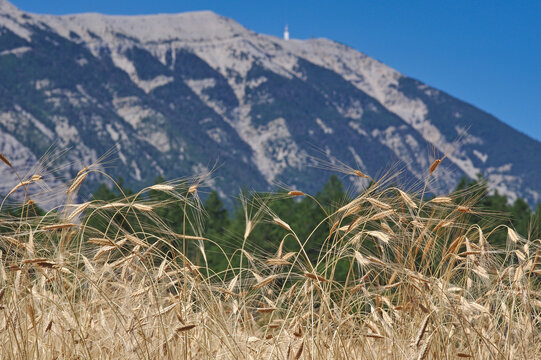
(424, 351)
(379, 235)
(378, 203)
(441, 200)
(136, 241)
(360, 174)
(185, 328)
(315, 277)
(282, 223)
(32, 261)
(18, 186)
(463, 209)
(113, 205)
(14, 242)
(299, 351)
(381, 215)
(78, 210)
(289, 255)
(88, 265)
(5, 161)
(407, 199)
(190, 237)
(264, 281)
(361, 259)
(47, 264)
(443, 224)
(512, 235)
(59, 226)
(49, 326)
(100, 241)
(352, 210)
(521, 256)
(161, 269)
(422, 330)
(143, 207)
(435, 165)
(296, 193)
(481, 271)
(32, 315)
(162, 187)
(106, 249)
(266, 310)
(298, 331)
(77, 182)
(165, 310)
(455, 245)
(248, 229)
(278, 262)
(121, 261)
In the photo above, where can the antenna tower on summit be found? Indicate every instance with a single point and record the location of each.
(286, 33)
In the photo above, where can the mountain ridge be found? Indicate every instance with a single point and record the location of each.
(205, 87)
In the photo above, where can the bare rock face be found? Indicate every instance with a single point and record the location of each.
(173, 94)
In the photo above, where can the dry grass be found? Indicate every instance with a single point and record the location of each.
(420, 285)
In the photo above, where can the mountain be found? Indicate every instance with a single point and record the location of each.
(176, 94)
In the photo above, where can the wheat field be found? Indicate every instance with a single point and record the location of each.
(421, 283)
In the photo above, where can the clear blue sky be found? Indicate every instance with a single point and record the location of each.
(487, 53)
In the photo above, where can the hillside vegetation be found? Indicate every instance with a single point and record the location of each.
(384, 274)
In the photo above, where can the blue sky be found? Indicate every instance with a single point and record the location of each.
(487, 53)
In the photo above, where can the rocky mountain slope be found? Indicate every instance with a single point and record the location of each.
(176, 94)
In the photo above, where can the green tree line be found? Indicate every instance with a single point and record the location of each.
(225, 228)
(306, 216)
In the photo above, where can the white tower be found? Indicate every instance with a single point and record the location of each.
(286, 33)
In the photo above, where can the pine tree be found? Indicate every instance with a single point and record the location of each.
(104, 193)
(218, 216)
(332, 193)
(521, 216)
